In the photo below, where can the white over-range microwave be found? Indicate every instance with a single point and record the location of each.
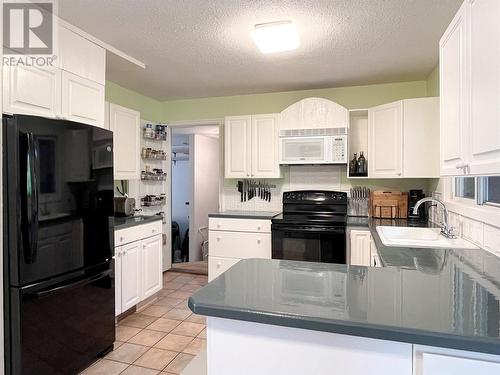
(313, 146)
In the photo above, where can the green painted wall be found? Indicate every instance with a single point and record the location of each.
(350, 97)
(150, 109)
(432, 82)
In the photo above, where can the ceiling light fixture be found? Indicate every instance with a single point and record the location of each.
(276, 36)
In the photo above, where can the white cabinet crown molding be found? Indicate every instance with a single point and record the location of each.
(314, 113)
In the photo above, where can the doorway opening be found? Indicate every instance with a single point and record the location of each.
(195, 193)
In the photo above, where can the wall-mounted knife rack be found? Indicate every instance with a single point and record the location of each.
(250, 189)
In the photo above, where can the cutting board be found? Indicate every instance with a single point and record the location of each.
(389, 204)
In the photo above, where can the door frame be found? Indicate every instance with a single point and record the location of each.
(189, 124)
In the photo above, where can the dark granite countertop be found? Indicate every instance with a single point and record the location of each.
(437, 297)
(131, 221)
(451, 308)
(245, 214)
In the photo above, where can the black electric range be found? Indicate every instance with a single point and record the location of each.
(312, 227)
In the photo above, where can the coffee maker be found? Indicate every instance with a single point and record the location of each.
(413, 197)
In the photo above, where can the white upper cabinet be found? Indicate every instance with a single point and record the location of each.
(385, 135)
(82, 100)
(32, 91)
(124, 123)
(403, 139)
(470, 90)
(421, 138)
(484, 86)
(452, 78)
(237, 146)
(73, 89)
(251, 146)
(314, 113)
(265, 132)
(81, 57)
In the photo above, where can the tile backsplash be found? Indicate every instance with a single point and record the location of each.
(314, 177)
(482, 234)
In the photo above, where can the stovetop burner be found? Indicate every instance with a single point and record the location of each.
(313, 207)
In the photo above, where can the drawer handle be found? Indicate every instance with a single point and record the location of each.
(218, 238)
(153, 230)
(258, 228)
(122, 238)
(218, 225)
(258, 241)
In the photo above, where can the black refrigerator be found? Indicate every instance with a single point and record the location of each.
(58, 245)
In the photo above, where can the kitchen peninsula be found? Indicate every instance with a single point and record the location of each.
(317, 318)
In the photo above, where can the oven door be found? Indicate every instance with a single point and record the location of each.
(305, 243)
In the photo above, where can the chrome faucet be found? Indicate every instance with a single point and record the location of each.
(446, 228)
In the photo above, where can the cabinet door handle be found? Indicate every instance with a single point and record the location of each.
(461, 165)
(122, 239)
(248, 174)
(219, 264)
(258, 242)
(218, 239)
(153, 230)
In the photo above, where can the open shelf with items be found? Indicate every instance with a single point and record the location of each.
(152, 176)
(358, 140)
(153, 200)
(149, 153)
(156, 132)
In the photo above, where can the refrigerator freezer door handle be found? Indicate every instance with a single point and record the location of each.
(29, 191)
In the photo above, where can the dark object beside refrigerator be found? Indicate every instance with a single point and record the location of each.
(58, 245)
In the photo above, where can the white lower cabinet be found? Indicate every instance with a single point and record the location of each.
(219, 265)
(130, 258)
(441, 361)
(360, 247)
(138, 265)
(234, 239)
(151, 266)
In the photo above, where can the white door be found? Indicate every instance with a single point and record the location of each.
(131, 271)
(265, 146)
(237, 146)
(359, 244)
(152, 281)
(385, 140)
(484, 87)
(421, 138)
(32, 91)
(82, 100)
(124, 123)
(118, 280)
(453, 116)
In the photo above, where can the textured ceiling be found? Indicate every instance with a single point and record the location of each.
(201, 48)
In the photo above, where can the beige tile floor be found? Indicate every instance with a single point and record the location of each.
(161, 339)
